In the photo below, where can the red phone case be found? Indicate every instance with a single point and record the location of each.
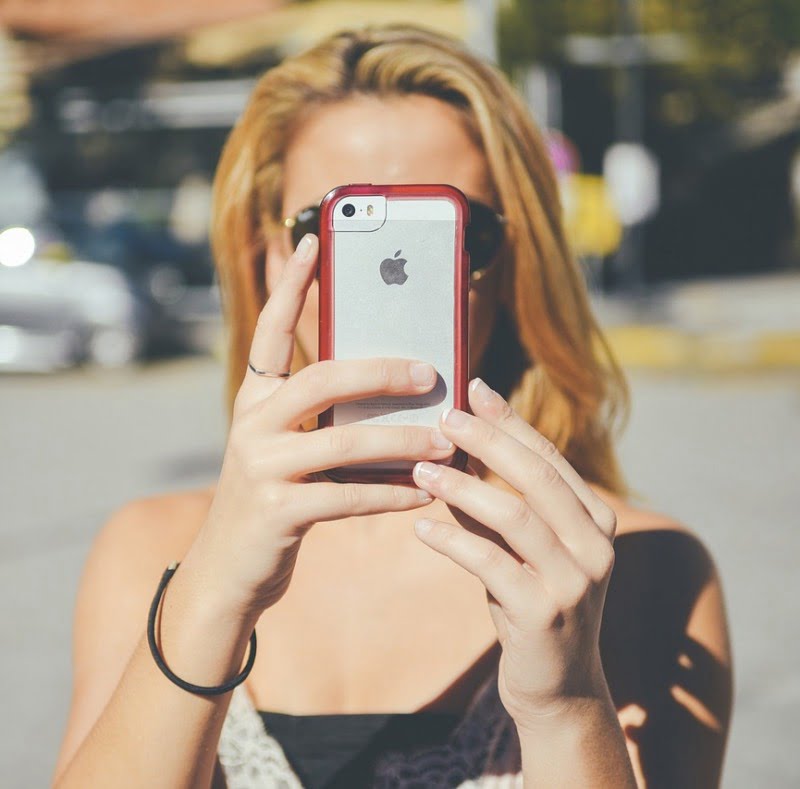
(327, 319)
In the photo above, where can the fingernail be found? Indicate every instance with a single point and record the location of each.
(453, 417)
(422, 373)
(440, 440)
(482, 391)
(427, 472)
(304, 247)
(424, 496)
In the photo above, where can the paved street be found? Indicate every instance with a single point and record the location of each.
(719, 453)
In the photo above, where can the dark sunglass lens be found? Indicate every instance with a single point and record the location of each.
(306, 221)
(483, 236)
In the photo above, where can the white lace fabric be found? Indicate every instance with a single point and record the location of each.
(482, 751)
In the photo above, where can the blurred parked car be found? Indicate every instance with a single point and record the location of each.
(57, 311)
(174, 279)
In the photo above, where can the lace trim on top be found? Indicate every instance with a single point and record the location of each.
(482, 751)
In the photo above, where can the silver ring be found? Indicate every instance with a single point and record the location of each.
(267, 373)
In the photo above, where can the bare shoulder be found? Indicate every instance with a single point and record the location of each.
(654, 541)
(135, 544)
(120, 575)
(666, 649)
(659, 554)
(665, 621)
(149, 529)
(633, 518)
(126, 560)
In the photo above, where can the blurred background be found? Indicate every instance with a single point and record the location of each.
(675, 129)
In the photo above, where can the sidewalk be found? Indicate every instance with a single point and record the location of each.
(711, 325)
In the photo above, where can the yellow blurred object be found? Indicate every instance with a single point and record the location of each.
(57, 251)
(650, 346)
(15, 104)
(668, 348)
(592, 225)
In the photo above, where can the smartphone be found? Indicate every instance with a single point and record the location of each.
(394, 281)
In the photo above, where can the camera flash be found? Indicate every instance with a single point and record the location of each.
(369, 210)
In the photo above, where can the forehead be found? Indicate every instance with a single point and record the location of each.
(382, 140)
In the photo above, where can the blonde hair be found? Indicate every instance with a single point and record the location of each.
(547, 354)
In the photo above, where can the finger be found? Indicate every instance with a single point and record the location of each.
(321, 384)
(510, 516)
(296, 454)
(541, 485)
(328, 501)
(515, 588)
(491, 407)
(273, 341)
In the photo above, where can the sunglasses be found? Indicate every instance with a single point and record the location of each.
(483, 236)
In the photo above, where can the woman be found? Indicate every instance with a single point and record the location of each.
(378, 662)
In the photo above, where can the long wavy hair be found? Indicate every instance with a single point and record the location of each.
(546, 355)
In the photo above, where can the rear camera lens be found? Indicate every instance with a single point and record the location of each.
(348, 209)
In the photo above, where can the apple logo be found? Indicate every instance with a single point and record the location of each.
(392, 269)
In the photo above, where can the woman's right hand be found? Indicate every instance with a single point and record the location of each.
(269, 494)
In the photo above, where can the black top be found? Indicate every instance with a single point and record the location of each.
(338, 750)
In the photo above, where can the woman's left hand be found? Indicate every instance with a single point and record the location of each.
(545, 556)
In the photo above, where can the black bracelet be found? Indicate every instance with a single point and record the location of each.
(151, 639)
